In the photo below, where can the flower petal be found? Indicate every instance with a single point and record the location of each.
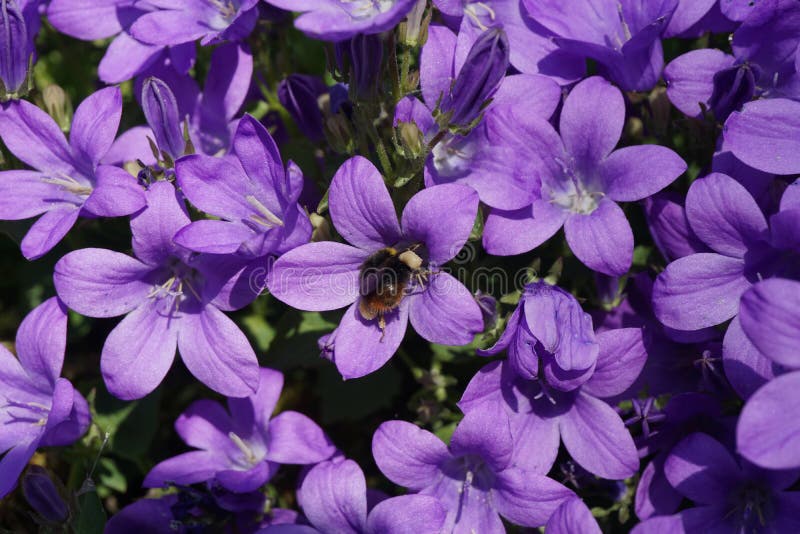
(333, 496)
(636, 172)
(621, 360)
(485, 432)
(690, 78)
(48, 230)
(592, 120)
(138, 352)
(205, 425)
(436, 64)
(42, 340)
(527, 499)
(702, 469)
(101, 283)
(407, 514)
(95, 125)
(770, 316)
(187, 468)
(33, 137)
(724, 215)
(768, 426)
(572, 516)
(698, 291)
(602, 240)
(507, 233)
(25, 194)
(317, 276)
(213, 236)
(408, 455)
(12, 464)
(217, 353)
(116, 193)
(765, 134)
(597, 439)
(361, 348)
(154, 227)
(445, 311)
(360, 206)
(296, 439)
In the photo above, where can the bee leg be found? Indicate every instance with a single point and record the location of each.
(382, 326)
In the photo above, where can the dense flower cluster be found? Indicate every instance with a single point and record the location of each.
(439, 148)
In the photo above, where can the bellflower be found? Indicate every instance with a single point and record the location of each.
(241, 448)
(765, 135)
(337, 20)
(731, 495)
(361, 58)
(382, 298)
(68, 180)
(482, 159)
(548, 331)
(174, 22)
(161, 111)
(126, 56)
(762, 64)
(334, 499)
(623, 37)
(37, 407)
(258, 211)
(560, 405)
(473, 477)
(582, 179)
(704, 289)
(767, 431)
(532, 50)
(15, 49)
(171, 298)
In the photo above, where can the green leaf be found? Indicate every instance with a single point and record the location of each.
(131, 425)
(91, 516)
(110, 478)
(260, 330)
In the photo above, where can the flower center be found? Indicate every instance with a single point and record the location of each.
(34, 413)
(69, 184)
(452, 157)
(262, 217)
(248, 455)
(226, 8)
(182, 285)
(755, 507)
(364, 9)
(575, 194)
(481, 14)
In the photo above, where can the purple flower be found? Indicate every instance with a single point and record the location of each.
(43, 496)
(762, 64)
(251, 192)
(37, 407)
(337, 20)
(360, 58)
(67, 180)
(532, 48)
(667, 222)
(547, 401)
(390, 275)
(174, 22)
(486, 158)
(731, 495)
(548, 331)
(582, 179)
(474, 477)
(172, 298)
(15, 49)
(768, 429)
(571, 517)
(241, 448)
(125, 57)
(623, 37)
(334, 498)
(704, 289)
(765, 135)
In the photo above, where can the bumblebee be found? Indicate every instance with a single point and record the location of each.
(385, 279)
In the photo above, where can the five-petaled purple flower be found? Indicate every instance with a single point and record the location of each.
(172, 298)
(474, 477)
(390, 274)
(68, 179)
(37, 407)
(582, 178)
(242, 448)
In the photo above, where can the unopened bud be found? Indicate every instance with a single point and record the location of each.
(411, 139)
(43, 496)
(58, 105)
(479, 78)
(161, 111)
(733, 87)
(414, 31)
(299, 94)
(15, 51)
(338, 134)
(361, 56)
(322, 228)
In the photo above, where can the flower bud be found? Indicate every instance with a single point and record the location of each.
(479, 78)
(361, 56)
(42, 495)
(411, 139)
(299, 94)
(58, 105)
(161, 111)
(15, 50)
(733, 87)
(414, 31)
